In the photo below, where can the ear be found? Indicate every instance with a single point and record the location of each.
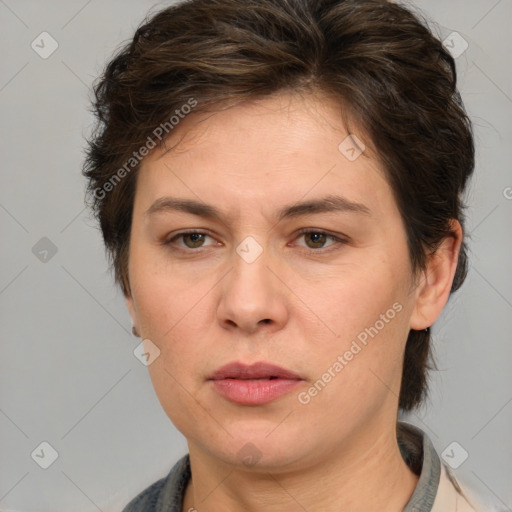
(434, 285)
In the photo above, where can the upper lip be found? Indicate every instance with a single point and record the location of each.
(259, 370)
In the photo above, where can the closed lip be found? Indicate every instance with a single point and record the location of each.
(259, 370)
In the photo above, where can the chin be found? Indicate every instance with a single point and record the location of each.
(261, 451)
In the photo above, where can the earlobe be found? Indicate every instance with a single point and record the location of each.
(433, 289)
(131, 309)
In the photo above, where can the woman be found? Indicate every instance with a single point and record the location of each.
(279, 188)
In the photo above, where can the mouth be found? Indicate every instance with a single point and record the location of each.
(255, 384)
(256, 371)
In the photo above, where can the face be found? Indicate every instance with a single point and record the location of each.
(297, 258)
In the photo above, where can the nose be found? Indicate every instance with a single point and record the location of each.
(253, 297)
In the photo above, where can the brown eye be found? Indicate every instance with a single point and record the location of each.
(196, 239)
(317, 239)
(188, 240)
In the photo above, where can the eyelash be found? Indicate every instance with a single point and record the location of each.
(304, 231)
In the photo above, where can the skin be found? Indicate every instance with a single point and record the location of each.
(299, 305)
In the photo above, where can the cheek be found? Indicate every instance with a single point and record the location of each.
(164, 294)
(353, 298)
(368, 312)
(174, 386)
(174, 318)
(160, 304)
(359, 373)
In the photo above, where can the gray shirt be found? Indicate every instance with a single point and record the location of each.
(166, 495)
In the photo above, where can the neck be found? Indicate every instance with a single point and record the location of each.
(370, 475)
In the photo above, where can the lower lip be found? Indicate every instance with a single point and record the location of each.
(254, 392)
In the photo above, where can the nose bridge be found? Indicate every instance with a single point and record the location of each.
(250, 278)
(251, 293)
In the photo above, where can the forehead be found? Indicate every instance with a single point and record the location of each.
(279, 148)
(279, 120)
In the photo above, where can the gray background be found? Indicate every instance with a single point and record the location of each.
(68, 375)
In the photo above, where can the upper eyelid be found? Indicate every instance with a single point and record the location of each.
(303, 231)
(338, 239)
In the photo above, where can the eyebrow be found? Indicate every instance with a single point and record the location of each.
(327, 204)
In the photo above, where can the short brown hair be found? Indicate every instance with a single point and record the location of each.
(381, 62)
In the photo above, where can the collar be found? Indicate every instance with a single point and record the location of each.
(420, 455)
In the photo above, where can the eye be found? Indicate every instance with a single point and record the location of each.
(190, 239)
(316, 239)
